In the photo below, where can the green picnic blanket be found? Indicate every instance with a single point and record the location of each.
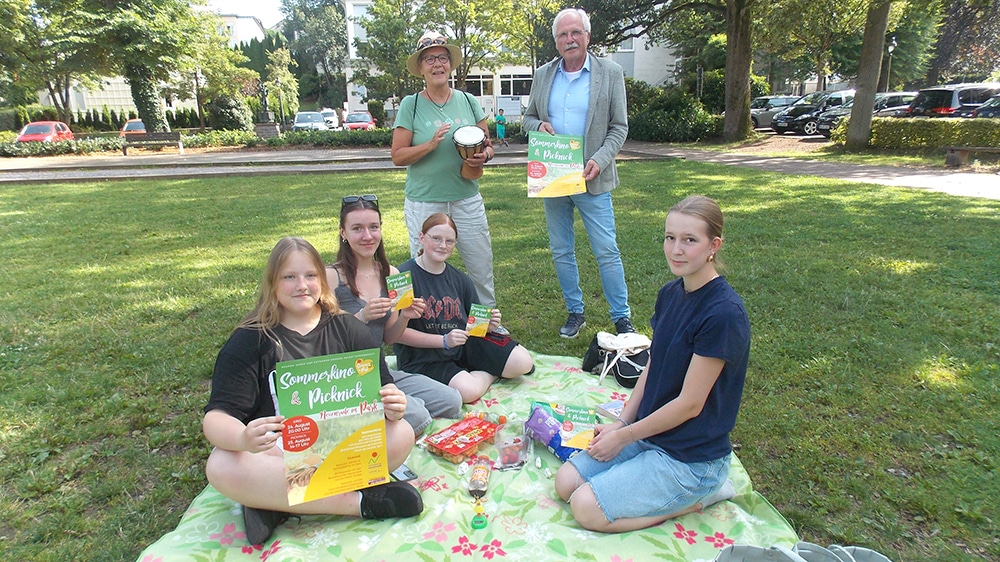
(527, 521)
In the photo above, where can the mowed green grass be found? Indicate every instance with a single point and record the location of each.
(870, 414)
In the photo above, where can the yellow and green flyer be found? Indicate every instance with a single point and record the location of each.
(479, 320)
(334, 436)
(400, 287)
(555, 165)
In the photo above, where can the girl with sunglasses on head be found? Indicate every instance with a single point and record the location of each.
(437, 178)
(437, 344)
(296, 316)
(358, 282)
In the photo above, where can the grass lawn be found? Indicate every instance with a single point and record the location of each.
(871, 414)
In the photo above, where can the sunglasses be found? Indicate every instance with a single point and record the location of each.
(429, 41)
(371, 198)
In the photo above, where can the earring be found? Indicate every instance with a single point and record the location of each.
(711, 257)
(343, 240)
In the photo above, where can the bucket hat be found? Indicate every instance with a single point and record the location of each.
(426, 41)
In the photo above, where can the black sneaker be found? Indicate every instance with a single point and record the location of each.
(388, 501)
(624, 325)
(260, 523)
(573, 325)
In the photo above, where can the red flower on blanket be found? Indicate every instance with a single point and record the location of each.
(250, 549)
(274, 548)
(617, 558)
(492, 549)
(567, 368)
(227, 535)
(615, 395)
(435, 483)
(490, 402)
(440, 531)
(685, 534)
(149, 558)
(464, 546)
(719, 540)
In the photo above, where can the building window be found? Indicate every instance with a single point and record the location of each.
(360, 33)
(479, 84)
(515, 84)
(627, 45)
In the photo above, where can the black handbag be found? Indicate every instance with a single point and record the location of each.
(625, 356)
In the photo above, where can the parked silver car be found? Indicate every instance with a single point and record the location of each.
(764, 107)
(309, 120)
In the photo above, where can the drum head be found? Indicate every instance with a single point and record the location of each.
(469, 135)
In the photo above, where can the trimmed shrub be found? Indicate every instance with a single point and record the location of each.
(895, 133)
(673, 116)
(220, 138)
(229, 114)
(8, 120)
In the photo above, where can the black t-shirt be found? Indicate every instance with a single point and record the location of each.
(246, 363)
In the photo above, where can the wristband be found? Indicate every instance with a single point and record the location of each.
(623, 421)
(444, 340)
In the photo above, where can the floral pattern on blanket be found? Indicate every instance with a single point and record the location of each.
(527, 521)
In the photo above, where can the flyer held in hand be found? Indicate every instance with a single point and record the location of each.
(555, 165)
(334, 436)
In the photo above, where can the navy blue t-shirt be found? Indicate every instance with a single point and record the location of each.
(710, 322)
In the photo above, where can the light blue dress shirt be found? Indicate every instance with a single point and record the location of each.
(569, 101)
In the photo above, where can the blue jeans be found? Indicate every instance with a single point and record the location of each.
(599, 219)
(643, 480)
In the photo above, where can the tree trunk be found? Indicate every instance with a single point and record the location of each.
(869, 69)
(739, 46)
(146, 97)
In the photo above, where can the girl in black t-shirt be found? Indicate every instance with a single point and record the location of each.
(296, 316)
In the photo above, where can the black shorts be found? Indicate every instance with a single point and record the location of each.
(488, 354)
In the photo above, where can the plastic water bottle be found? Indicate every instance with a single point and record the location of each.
(480, 478)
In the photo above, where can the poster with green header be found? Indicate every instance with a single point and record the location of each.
(555, 165)
(334, 431)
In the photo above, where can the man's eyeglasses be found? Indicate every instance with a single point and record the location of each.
(371, 198)
(437, 240)
(428, 41)
(575, 35)
(431, 59)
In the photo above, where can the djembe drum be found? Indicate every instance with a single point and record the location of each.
(469, 140)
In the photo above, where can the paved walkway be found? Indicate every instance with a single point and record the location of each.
(309, 161)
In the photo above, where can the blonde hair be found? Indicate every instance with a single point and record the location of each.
(266, 314)
(706, 209)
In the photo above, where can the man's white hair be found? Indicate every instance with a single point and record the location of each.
(584, 18)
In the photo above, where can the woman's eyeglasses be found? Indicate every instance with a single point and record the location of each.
(371, 198)
(448, 242)
(431, 59)
(428, 41)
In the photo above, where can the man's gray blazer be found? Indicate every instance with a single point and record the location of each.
(607, 116)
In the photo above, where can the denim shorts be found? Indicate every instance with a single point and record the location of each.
(645, 481)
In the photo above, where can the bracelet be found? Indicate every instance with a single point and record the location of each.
(361, 315)
(444, 340)
(632, 433)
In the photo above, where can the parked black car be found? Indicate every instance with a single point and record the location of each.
(951, 100)
(886, 105)
(801, 116)
(989, 109)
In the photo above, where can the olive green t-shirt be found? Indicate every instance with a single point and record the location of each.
(437, 176)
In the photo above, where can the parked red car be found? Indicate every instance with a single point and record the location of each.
(359, 121)
(45, 131)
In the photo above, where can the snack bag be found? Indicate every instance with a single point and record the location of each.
(400, 288)
(479, 320)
